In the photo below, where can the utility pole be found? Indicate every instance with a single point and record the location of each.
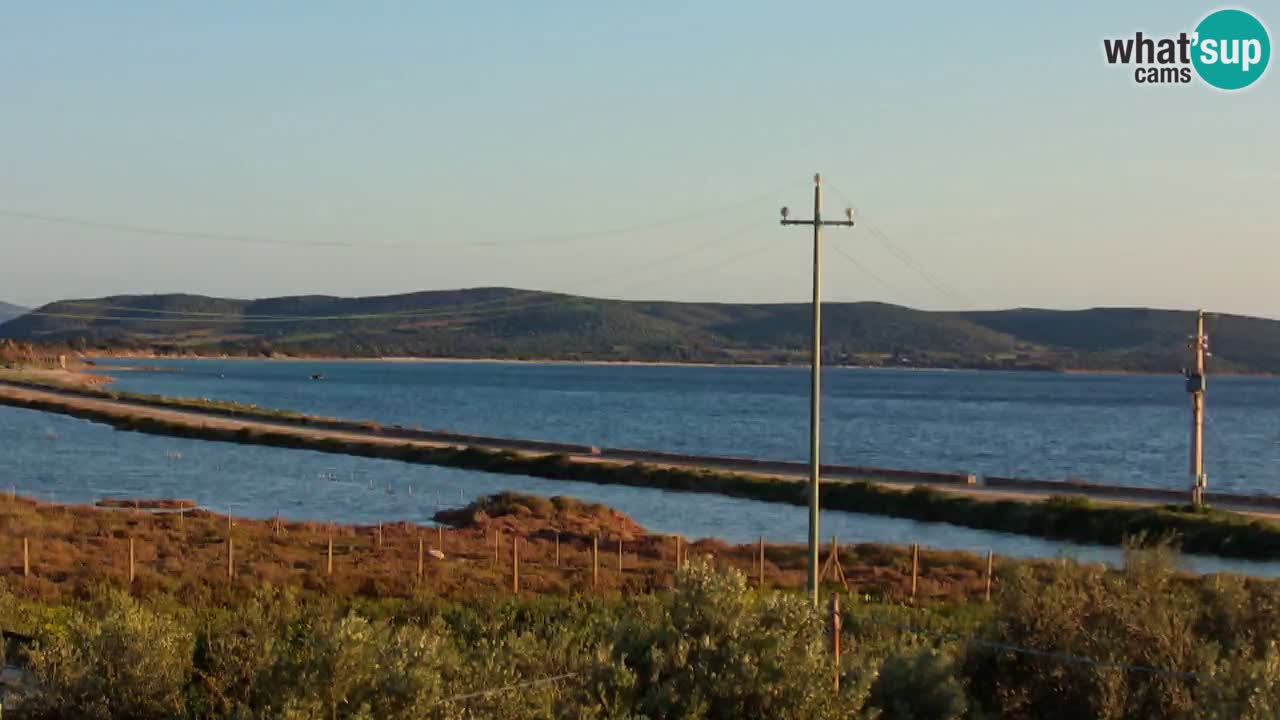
(1196, 386)
(816, 371)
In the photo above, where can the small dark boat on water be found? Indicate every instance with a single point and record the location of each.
(317, 376)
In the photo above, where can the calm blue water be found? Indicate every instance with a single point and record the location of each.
(1107, 428)
(1117, 428)
(62, 459)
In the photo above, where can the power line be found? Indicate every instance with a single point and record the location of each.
(893, 290)
(160, 232)
(675, 220)
(716, 240)
(905, 257)
(506, 688)
(264, 240)
(498, 305)
(902, 254)
(1020, 650)
(751, 251)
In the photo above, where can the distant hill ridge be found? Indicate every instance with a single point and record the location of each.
(510, 323)
(9, 311)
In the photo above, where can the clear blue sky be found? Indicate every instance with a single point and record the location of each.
(988, 140)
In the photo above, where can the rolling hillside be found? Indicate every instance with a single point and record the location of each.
(9, 312)
(510, 323)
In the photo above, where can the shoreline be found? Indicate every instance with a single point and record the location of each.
(103, 361)
(78, 378)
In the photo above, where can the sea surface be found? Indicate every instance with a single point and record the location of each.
(1123, 429)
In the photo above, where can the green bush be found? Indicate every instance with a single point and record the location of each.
(917, 686)
(124, 660)
(1061, 641)
(1244, 688)
(1145, 643)
(718, 650)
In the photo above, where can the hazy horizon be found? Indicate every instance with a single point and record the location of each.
(631, 152)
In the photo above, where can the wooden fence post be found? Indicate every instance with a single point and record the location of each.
(990, 563)
(678, 543)
(440, 538)
(557, 548)
(761, 562)
(833, 567)
(915, 567)
(515, 565)
(26, 558)
(379, 534)
(595, 561)
(329, 565)
(497, 545)
(835, 640)
(419, 558)
(619, 555)
(131, 561)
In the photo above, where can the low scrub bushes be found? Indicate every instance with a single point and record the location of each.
(1063, 642)
(1144, 643)
(712, 649)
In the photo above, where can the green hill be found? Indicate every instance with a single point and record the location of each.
(510, 323)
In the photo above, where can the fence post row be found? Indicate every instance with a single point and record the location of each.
(515, 565)
(915, 567)
(680, 559)
(835, 640)
(990, 563)
(761, 562)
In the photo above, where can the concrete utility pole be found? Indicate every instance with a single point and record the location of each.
(1196, 386)
(815, 380)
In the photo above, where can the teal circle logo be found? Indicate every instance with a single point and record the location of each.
(1232, 49)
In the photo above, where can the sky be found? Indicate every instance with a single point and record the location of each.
(635, 150)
